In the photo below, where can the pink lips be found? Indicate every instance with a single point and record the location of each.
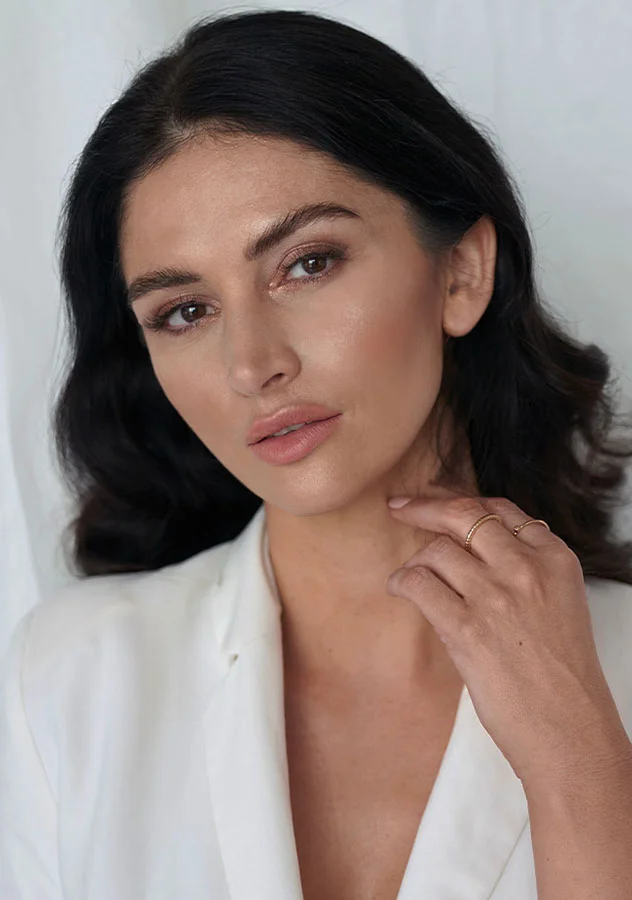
(289, 415)
(297, 444)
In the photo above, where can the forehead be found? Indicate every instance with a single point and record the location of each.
(220, 189)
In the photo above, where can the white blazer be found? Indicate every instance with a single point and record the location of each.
(143, 755)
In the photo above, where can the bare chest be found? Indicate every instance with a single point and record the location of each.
(360, 782)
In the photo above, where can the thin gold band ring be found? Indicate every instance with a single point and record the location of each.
(518, 528)
(486, 518)
(477, 524)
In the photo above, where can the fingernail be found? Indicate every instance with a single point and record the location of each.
(396, 502)
(391, 580)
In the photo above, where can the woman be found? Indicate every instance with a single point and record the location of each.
(282, 222)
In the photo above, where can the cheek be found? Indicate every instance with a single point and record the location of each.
(398, 351)
(405, 339)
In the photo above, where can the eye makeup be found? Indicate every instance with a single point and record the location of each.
(157, 322)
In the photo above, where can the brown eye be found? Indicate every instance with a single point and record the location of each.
(311, 270)
(192, 312)
(188, 308)
(314, 265)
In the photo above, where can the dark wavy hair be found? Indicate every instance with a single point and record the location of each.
(537, 407)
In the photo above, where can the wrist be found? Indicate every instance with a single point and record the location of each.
(603, 755)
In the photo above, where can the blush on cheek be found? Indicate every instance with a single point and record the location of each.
(405, 357)
(405, 339)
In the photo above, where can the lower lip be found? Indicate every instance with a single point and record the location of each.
(296, 444)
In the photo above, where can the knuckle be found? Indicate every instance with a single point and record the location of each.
(470, 629)
(500, 602)
(562, 556)
(557, 553)
(416, 577)
(500, 505)
(439, 546)
(462, 507)
(555, 550)
(522, 573)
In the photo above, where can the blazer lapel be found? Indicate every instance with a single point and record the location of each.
(475, 815)
(477, 809)
(244, 726)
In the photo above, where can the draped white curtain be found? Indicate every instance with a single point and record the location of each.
(551, 80)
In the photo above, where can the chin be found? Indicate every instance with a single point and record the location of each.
(306, 506)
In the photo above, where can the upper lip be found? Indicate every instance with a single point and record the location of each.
(289, 415)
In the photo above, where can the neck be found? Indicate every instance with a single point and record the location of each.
(338, 618)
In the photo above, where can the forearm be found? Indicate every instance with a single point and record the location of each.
(581, 827)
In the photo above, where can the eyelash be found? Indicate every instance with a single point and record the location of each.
(157, 321)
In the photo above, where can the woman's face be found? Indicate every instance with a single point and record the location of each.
(360, 331)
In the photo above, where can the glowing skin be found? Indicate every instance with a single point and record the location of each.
(367, 340)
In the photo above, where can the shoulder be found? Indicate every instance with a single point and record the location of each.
(127, 610)
(101, 657)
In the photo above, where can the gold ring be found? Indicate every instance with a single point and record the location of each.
(477, 524)
(518, 528)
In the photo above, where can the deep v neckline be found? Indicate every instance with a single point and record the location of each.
(476, 810)
(359, 786)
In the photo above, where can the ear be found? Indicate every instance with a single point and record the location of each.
(469, 280)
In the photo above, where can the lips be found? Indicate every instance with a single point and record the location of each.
(299, 414)
(295, 445)
(286, 432)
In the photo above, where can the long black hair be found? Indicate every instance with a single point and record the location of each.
(537, 407)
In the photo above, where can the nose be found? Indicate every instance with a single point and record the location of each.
(257, 353)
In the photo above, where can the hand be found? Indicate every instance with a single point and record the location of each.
(514, 617)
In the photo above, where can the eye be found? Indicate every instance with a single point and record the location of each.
(158, 321)
(309, 258)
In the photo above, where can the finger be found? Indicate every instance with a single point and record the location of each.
(492, 541)
(441, 606)
(461, 571)
(534, 535)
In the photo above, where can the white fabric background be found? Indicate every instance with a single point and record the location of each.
(552, 80)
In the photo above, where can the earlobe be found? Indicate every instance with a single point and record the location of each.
(470, 282)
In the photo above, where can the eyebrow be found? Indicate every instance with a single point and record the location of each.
(269, 238)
